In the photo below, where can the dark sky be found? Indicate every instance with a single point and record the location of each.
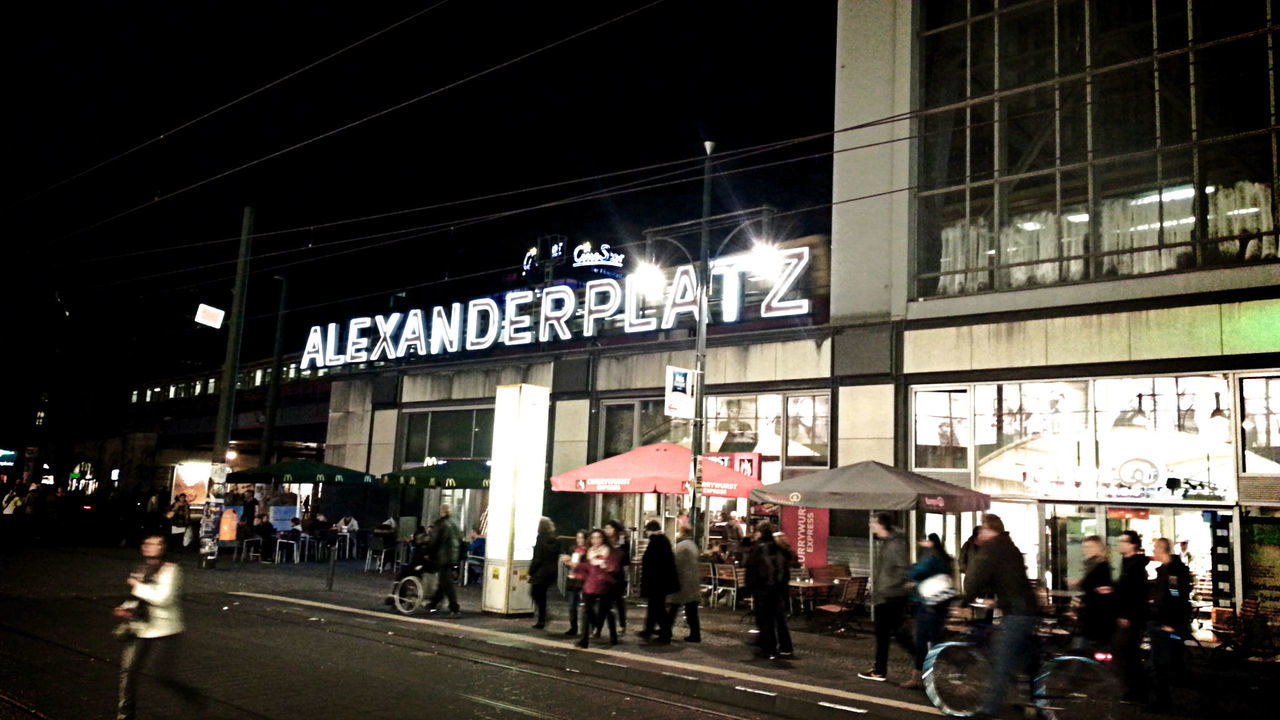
(87, 82)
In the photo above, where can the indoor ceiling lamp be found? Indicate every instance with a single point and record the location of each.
(1139, 417)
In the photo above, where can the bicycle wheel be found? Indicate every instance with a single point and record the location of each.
(410, 595)
(1077, 687)
(955, 676)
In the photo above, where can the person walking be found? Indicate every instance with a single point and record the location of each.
(573, 583)
(889, 593)
(617, 535)
(1131, 615)
(999, 570)
(689, 595)
(447, 538)
(1170, 622)
(600, 566)
(543, 569)
(658, 579)
(1096, 616)
(155, 622)
(768, 570)
(932, 588)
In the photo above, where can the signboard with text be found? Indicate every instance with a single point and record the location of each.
(807, 529)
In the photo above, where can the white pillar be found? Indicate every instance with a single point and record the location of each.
(516, 479)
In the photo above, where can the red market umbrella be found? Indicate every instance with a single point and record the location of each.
(663, 468)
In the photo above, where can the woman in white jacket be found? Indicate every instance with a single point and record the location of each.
(156, 621)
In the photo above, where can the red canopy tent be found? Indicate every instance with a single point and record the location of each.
(663, 468)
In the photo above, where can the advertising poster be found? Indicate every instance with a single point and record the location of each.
(679, 397)
(806, 529)
(1262, 563)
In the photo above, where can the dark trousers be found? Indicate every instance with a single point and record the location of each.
(539, 595)
(1014, 649)
(889, 616)
(655, 617)
(618, 602)
(690, 616)
(575, 602)
(930, 621)
(1128, 649)
(1166, 659)
(770, 608)
(160, 655)
(445, 589)
(597, 611)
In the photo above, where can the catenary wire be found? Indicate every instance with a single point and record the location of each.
(385, 238)
(225, 106)
(693, 162)
(356, 123)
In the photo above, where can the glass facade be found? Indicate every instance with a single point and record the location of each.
(460, 433)
(1260, 425)
(1075, 140)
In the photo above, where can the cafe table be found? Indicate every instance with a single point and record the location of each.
(806, 588)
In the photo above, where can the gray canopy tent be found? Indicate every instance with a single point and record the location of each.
(872, 486)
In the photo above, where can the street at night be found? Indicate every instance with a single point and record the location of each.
(640, 359)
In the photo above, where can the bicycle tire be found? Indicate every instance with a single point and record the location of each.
(409, 595)
(955, 677)
(1072, 687)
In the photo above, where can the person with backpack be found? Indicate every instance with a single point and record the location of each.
(932, 588)
(889, 593)
(768, 570)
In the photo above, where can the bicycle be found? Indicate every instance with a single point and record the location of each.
(956, 674)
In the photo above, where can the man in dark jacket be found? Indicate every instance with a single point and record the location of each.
(768, 569)
(1097, 620)
(1170, 621)
(1131, 615)
(658, 579)
(446, 538)
(889, 593)
(544, 569)
(999, 569)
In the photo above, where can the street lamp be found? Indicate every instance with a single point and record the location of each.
(762, 253)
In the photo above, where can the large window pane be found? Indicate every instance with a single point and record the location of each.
(1026, 45)
(656, 426)
(1260, 426)
(1034, 439)
(1240, 204)
(808, 430)
(415, 440)
(1164, 438)
(482, 446)
(942, 429)
(451, 432)
(619, 429)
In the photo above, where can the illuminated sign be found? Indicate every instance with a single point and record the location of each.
(525, 316)
(210, 315)
(584, 256)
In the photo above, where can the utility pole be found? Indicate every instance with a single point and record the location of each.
(226, 402)
(696, 521)
(273, 390)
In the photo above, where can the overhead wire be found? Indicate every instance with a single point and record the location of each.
(361, 121)
(385, 238)
(225, 106)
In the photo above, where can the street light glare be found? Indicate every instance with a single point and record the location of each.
(765, 260)
(650, 280)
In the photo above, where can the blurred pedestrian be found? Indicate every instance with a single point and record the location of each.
(447, 539)
(577, 575)
(889, 593)
(1096, 615)
(658, 579)
(155, 621)
(617, 536)
(1131, 615)
(1170, 622)
(689, 596)
(932, 588)
(543, 569)
(767, 573)
(600, 566)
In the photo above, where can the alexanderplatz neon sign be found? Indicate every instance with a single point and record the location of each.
(523, 316)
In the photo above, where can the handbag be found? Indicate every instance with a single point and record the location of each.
(936, 589)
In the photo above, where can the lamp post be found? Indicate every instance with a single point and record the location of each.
(700, 346)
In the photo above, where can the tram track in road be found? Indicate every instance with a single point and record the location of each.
(360, 629)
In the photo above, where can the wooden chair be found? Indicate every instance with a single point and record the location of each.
(849, 601)
(729, 578)
(707, 581)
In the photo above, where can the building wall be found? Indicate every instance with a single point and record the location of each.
(762, 362)
(864, 424)
(569, 442)
(869, 237)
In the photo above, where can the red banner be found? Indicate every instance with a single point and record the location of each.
(806, 529)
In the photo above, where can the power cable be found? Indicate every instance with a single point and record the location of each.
(225, 106)
(434, 228)
(355, 123)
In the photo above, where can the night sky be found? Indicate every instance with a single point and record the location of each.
(88, 82)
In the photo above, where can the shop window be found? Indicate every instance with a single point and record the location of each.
(941, 432)
(656, 426)
(1034, 439)
(133, 396)
(213, 385)
(1260, 425)
(619, 429)
(1164, 438)
(808, 430)
(463, 433)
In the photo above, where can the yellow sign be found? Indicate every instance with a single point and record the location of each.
(496, 574)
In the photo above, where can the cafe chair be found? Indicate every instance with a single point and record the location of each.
(292, 546)
(378, 554)
(345, 545)
(838, 616)
(707, 582)
(306, 544)
(729, 579)
(248, 549)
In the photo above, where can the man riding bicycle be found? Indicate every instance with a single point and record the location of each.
(999, 569)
